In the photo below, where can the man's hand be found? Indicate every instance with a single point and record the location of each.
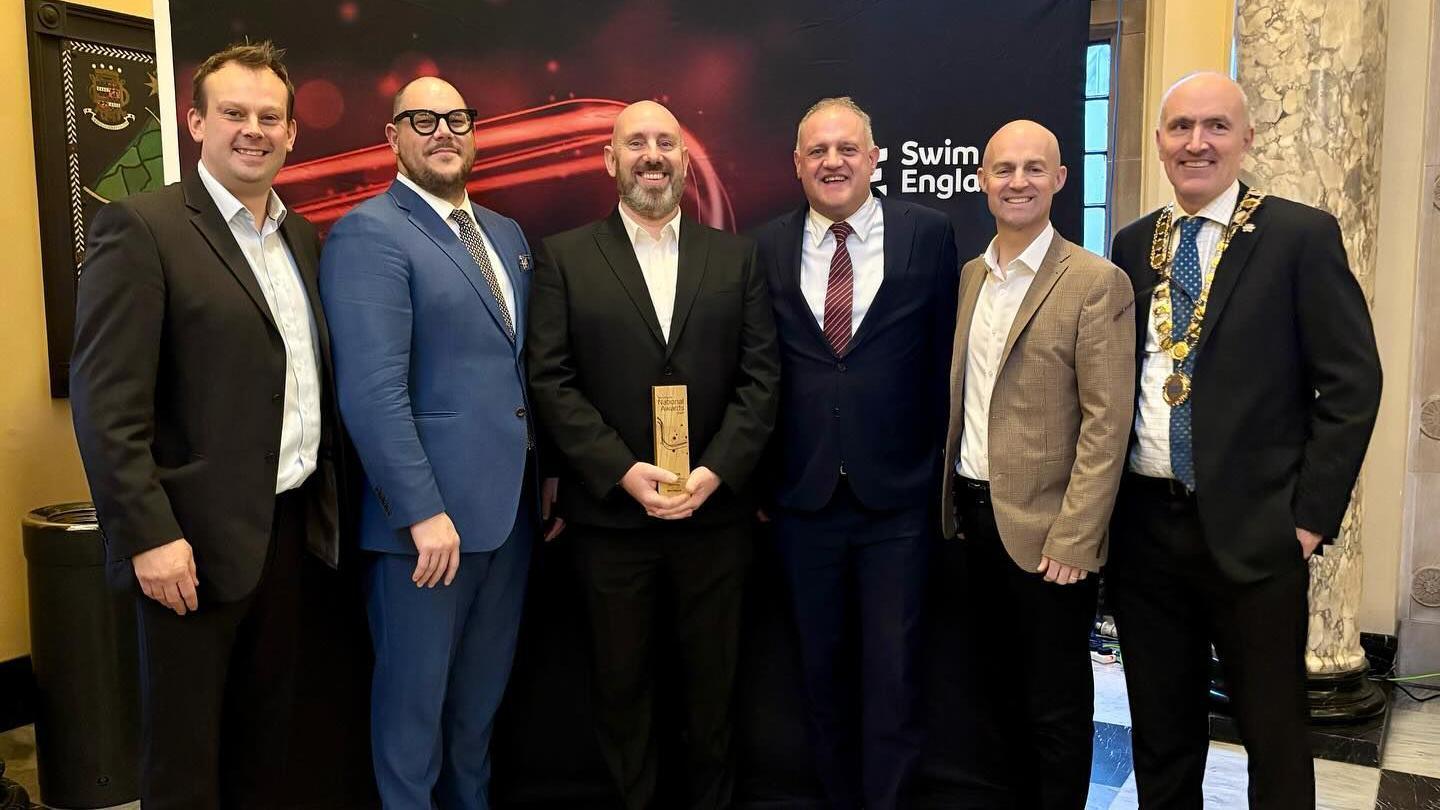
(1060, 573)
(548, 492)
(1309, 541)
(701, 484)
(439, 546)
(641, 481)
(167, 575)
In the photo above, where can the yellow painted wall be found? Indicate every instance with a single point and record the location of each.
(1183, 36)
(1402, 193)
(38, 460)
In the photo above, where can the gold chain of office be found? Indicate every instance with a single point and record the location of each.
(1177, 386)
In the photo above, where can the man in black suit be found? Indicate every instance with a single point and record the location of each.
(1259, 383)
(864, 293)
(642, 298)
(205, 415)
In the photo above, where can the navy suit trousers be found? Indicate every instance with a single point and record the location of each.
(856, 569)
(442, 658)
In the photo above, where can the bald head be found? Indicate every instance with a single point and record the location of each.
(1033, 137)
(1202, 137)
(427, 93)
(439, 154)
(647, 157)
(1209, 85)
(643, 116)
(1020, 173)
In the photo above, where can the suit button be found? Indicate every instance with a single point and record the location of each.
(840, 367)
(669, 371)
(271, 456)
(275, 397)
(520, 413)
(835, 412)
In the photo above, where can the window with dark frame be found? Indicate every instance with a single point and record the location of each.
(1098, 58)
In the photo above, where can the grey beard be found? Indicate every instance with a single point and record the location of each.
(656, 204)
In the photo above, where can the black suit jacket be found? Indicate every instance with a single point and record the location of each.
(1286, 384)
(880, 410)
(177, 385)
(594, 349)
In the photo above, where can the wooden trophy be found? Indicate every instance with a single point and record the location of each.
(672, 434)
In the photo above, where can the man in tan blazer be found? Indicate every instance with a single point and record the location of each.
(1041, 397)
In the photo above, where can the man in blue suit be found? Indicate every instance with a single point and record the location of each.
(864, 293)
(426, 292)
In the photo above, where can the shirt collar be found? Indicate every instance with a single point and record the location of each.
(442, 207)
(635, 230)
(1217, 210)
(863, 221)
(1030, 258)
(230, 205)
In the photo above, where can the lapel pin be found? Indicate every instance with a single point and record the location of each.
(524, 260)
(1248, 227)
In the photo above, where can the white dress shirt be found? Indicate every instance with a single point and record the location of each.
(659, 262)
(1000, 296)
(1151, 453)
(274, 268)
(867, 258)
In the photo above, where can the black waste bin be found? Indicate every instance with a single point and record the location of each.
(86, 659)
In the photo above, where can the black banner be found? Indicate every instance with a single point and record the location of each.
(937, 76)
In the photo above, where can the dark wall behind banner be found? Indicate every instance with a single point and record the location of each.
(737, 74)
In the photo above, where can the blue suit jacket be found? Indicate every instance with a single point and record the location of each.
(429, 382)
(880, 409)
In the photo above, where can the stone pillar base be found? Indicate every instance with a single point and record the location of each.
(1344, 697)
(1336, 698)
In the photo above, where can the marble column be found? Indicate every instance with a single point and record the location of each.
(1314, 71)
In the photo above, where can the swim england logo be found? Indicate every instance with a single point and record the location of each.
(941, 171)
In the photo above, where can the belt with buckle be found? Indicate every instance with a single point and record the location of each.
(1165, 488)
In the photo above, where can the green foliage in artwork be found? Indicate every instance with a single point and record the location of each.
(140, 167)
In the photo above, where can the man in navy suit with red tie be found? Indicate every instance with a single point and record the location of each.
(864, 292)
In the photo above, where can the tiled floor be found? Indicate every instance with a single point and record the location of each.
(1408, 777)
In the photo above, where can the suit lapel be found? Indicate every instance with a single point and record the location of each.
(424, 218)
(615, 246)
(899, 237)
(1143, 277)
(205, 216)
(1056, 258)
(794, 235)
(1228, 273)
(694, 250)
(970, 284)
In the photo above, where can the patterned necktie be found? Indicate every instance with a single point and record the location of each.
(470, 235)
(1185, 286)
(839, 291)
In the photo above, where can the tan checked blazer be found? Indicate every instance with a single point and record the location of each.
(1061, 410)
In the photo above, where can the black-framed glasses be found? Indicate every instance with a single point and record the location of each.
(426, 122)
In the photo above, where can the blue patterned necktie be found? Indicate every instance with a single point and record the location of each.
(1185, 286)
(470, 236)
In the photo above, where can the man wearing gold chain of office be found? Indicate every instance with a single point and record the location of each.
(1259, 383)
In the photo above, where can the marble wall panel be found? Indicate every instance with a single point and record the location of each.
(1314, 71)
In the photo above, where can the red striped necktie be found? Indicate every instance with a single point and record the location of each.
(839, 291)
